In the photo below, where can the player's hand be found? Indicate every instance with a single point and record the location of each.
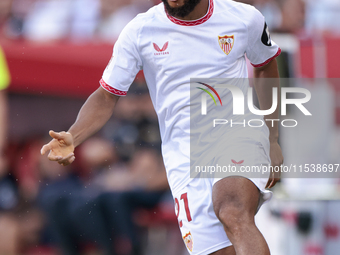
(277, 160)
(60, 149)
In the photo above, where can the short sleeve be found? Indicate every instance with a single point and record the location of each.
(125, 62)
(260, 48)
(4, 72)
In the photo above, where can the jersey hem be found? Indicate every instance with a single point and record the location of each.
(270, 59)
(177, 189)
(215, 248)
(112, 90)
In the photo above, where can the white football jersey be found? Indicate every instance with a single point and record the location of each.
(171, 51)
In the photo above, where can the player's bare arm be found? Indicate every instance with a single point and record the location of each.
(92, 116)
(264, 94)
(3, 127)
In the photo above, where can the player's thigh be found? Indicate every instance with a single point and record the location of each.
(235, 196)
(225, 251)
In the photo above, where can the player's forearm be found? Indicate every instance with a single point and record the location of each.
(3, 120)
(93, 115)
(264, 88)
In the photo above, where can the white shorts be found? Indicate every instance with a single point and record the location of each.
(202, 232)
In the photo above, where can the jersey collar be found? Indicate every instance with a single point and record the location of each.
(193, 22)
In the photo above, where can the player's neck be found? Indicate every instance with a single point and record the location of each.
(200, 10)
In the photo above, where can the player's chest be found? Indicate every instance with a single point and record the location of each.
(214, 47)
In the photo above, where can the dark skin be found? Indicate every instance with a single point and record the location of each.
(199, 11)
(263, 90)
(96, 111)
(235, 199)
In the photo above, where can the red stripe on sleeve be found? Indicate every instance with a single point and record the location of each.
(267, 62)
(112, 90)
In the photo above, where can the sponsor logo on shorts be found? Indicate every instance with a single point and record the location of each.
(237, 163)
(188, 241)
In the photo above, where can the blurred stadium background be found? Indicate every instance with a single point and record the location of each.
(114, 199)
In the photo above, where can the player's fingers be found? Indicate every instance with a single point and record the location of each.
(66, 158)
(274, 181)
(70, 161)
(270, 179)
(269, 183)
(45, 148)
(56, 135)
(67, 162)
(54, 157)
(275, 178)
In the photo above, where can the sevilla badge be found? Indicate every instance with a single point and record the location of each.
(226, 43)
(188, 241)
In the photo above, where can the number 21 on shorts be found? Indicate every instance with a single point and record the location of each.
(184, 198)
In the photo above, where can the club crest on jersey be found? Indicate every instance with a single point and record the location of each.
(226, 43)
(161, 51)
(188, 241)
